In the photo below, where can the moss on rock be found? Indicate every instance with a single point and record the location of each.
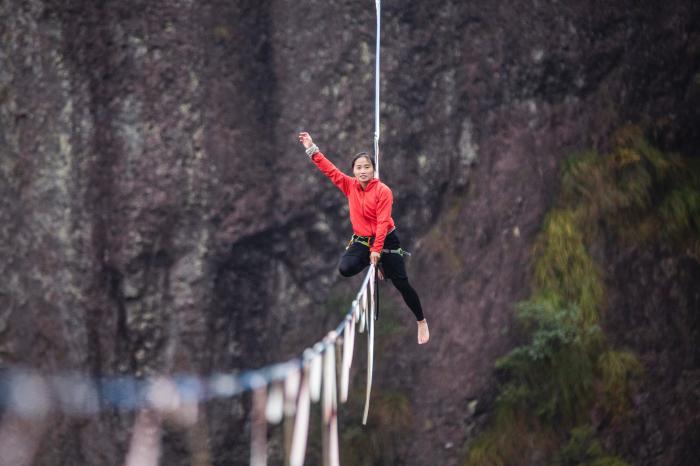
(550, 386)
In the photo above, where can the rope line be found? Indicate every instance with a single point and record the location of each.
(27, 396)
(80, 394)
(378, 4)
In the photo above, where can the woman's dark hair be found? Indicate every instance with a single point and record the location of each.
(360, 155)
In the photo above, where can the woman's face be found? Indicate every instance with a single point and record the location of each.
(363, 169)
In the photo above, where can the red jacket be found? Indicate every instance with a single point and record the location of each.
(370, 208)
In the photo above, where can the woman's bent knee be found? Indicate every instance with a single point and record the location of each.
(352, 264)
(349, 268)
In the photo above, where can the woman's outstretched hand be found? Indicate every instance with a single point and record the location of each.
(305, 139)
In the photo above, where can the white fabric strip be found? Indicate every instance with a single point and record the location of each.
(24, 419)
(348, 347)
(373, 295)
(315, 378)
(291, 391)
(330, 415)
(370, 350)
(144, 449)
(328, 377)
(274, 410)
(363, 308)
(301, 422)
(258, 428)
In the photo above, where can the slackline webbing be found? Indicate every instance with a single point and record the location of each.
(282, 391)
(376, 88)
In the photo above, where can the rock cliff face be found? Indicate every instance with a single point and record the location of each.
(654, 312)
(158, 214)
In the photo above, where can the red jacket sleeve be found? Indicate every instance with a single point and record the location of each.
(340, 179)
(384, 200)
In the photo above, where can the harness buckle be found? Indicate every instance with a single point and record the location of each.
(364, 240)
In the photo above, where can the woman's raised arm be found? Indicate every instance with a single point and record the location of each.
(340, 179)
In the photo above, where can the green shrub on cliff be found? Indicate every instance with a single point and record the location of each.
(617, 370)
(552, 376)
(636, 196)
(637, 193)
(584, 450)
(565, 274)
(378, 443)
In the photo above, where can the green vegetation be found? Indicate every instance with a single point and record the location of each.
(617, 369)
(634, 196)
(551, 377)
(584, 450)
(636, 193)
(378, 443)
(565, 274)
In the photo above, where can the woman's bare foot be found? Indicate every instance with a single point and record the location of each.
(423, 332)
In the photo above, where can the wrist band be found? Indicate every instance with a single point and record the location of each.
(312, 150)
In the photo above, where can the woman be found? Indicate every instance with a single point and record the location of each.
(374, 237)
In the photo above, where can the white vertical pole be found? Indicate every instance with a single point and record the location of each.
(376, 90)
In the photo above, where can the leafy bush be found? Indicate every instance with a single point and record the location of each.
(584, 450)
(617, 369)
(635, 195)
(552, 376)
(565, 274)
(379, 442)
(514, 440)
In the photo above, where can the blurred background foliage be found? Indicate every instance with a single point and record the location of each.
(566, 369)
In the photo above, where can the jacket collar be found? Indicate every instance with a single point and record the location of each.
(372, 183)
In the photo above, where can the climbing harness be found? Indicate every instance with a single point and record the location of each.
(400, 251)
(369, 240)
(364, 240)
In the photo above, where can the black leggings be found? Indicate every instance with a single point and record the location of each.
(356, 258)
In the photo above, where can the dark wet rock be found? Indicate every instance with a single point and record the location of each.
(158, 214)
